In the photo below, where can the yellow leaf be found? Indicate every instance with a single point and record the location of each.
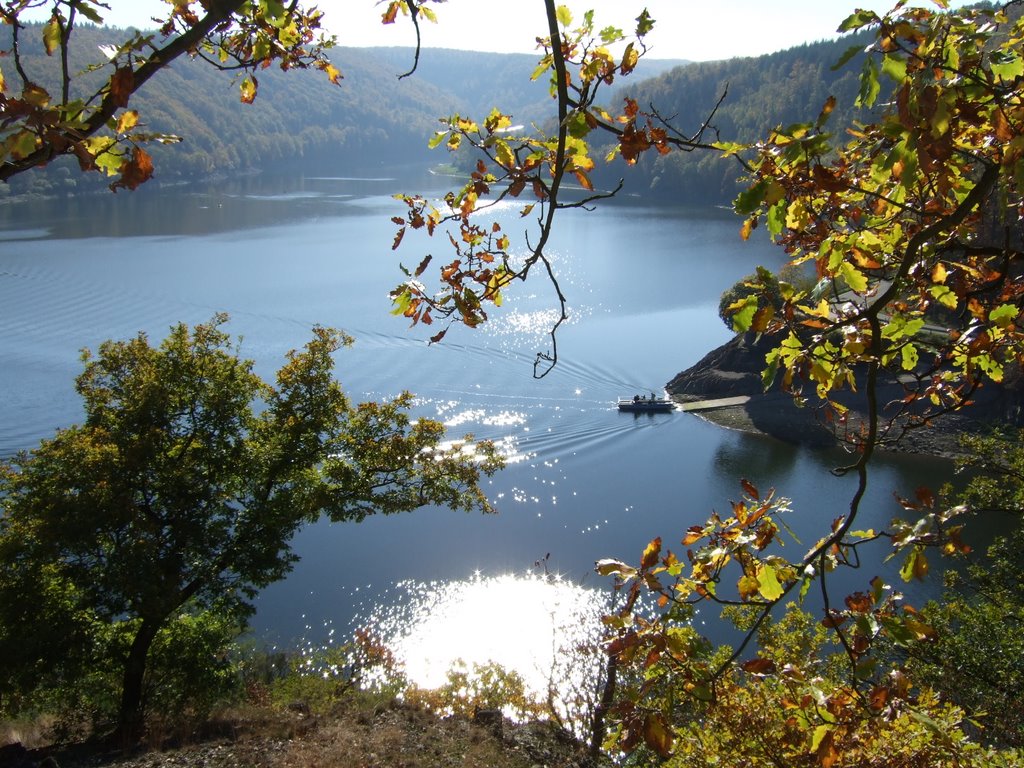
(52, 34)
(503, 154)
(564, 15)
(797, 216)
(248, 90)
(127, 121)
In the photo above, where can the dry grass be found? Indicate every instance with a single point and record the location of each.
(359, 732)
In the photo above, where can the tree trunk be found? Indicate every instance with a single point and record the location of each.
(130, 717)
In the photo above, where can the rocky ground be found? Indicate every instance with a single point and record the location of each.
(388, 735)
(735, 369)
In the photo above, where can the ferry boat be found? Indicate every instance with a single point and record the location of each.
(645, 404)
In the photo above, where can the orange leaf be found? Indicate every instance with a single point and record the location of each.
(122, 84)
(695, 533)
(858, 602)
(135, 171)
(389, 15)
(650, 556)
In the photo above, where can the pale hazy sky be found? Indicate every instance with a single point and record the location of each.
(686, 29)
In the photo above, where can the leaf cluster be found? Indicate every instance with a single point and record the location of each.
(901, 223)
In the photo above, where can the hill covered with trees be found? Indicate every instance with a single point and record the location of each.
(761, 93)
(375, 120)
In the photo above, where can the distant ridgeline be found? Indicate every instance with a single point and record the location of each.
(300, 123)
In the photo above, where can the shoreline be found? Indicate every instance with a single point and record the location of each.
(734, 369)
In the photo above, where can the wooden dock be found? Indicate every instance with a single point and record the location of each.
(722, 402)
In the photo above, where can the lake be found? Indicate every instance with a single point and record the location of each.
(584, 481)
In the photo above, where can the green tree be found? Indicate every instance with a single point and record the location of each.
(977, 657)
(181, 491)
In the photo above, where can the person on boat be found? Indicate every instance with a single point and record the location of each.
(636, 398)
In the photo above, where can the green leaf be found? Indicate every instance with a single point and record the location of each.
(819, 733)
(750, 200)
(854, 278)
(23, 144)
(848, 54)
(743, 315)
(85, 7)
(769, 373)
(909, 356)
(915, 566)
(777, 219)
(857, 20)
(895, 68)
(869, 85)
(644, 23)
(944, 295)
(1003, 315)
(768, 582)
(1007, 65)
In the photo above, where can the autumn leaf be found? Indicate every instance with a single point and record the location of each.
(651, 553)
(122, 85)
(391, 12)
(52, 34)
(127, 121)
(657, 735)
(759, 666)
(248, 90)
(136, 171)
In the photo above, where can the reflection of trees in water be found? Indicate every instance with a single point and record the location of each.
(754, 457)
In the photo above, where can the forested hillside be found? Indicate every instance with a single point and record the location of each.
(300, 123)
(763, 92)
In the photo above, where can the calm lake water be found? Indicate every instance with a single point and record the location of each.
(585, 482)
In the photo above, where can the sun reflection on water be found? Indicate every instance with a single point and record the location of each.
(541, 627)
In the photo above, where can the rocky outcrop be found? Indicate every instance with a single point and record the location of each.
(730, 370)
(735, 368)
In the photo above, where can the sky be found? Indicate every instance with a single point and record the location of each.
(696, 30)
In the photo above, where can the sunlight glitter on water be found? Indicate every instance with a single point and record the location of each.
(480, 416)
(543, 628)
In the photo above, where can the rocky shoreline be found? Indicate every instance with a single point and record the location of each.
(735, 369)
